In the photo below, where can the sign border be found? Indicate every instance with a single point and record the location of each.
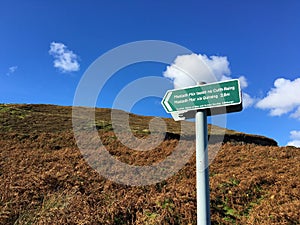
(202, 108)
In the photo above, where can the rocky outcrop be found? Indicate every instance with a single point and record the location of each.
(238, 138)
(242, 138)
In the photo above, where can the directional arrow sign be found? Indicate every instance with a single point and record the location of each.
(213, 95)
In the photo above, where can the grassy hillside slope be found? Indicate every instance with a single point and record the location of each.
(45, 180)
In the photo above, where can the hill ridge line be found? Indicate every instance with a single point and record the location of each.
(22, 117)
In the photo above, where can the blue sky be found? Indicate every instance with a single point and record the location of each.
(46, 47)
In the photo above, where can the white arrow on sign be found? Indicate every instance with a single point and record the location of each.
(167, 97)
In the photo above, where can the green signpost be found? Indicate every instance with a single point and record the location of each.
(213, 95)
(198, 102)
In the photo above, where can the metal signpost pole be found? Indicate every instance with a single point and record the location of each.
(202, 173)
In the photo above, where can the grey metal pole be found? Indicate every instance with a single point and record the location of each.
(202, 173)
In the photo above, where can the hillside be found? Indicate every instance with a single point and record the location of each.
(45, 179)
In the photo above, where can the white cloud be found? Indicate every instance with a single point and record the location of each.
(295, 137)
(247, 100)
(11, 70)
(283, 98)
(296, 114)
(295, 134)
(243, 82)
(187, 70)
(64, 59)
